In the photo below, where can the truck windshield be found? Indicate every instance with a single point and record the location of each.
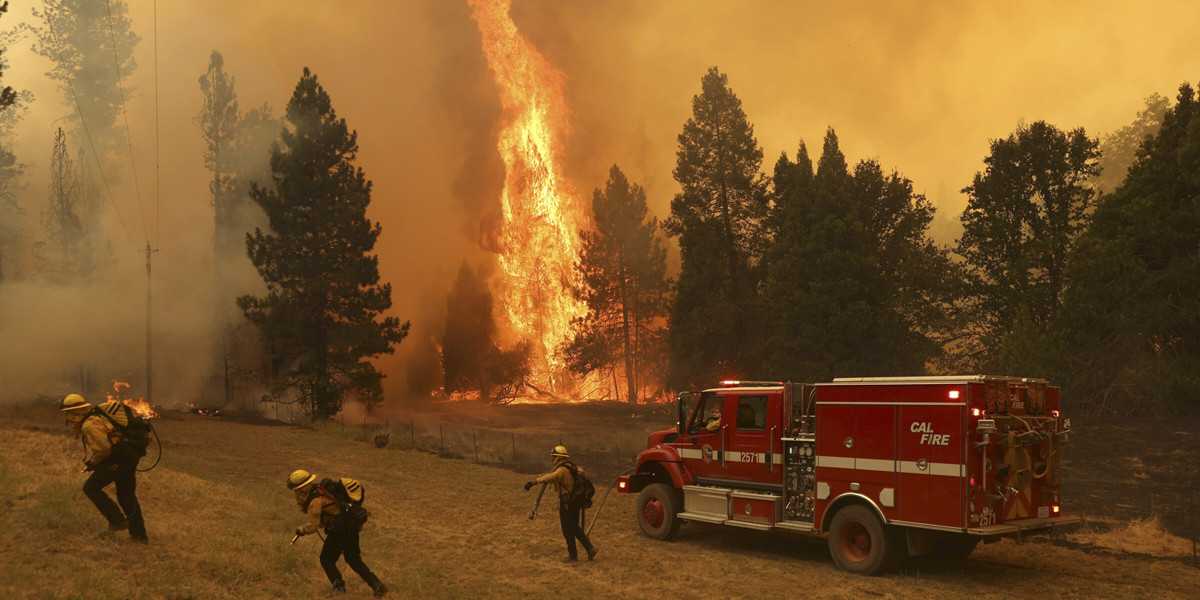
(706, 413)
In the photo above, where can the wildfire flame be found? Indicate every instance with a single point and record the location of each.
(540, 218)
(139, 405)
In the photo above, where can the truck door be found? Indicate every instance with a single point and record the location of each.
(931, 464)
(701, 443)
(753, 443)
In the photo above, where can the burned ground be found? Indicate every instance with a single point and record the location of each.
(220, 520)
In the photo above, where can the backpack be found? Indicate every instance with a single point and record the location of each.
(349, 495)
(134, 435)
(582, 491)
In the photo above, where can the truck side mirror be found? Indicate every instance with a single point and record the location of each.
(680, 417)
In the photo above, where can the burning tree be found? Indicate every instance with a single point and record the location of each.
(623, 264)
(324, 300)
(539, 218)
(471, 359)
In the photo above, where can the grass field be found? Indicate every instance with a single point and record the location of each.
(220, 519)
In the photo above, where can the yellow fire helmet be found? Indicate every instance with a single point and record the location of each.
(354, 489)
(300, 478)
(74, 402)
(560, 451)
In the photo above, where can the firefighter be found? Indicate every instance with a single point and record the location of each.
(107, 463)
(569, 514)
(341, 536)
(714, 420)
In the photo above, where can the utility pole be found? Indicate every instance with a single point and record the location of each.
(149, 340)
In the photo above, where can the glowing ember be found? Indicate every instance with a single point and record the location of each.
(540, 218)
(139, 405)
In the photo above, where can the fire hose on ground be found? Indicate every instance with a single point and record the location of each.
(157, 442)
(604, 499)
(599, 508)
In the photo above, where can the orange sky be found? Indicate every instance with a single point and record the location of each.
(920, 86)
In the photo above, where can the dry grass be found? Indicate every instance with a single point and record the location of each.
(220, 519)
(1143, 536)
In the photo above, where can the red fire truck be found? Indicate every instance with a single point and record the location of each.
(882, 467)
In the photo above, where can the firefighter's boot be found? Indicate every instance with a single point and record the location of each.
(339, 587)
(379, 589)
(592, 551)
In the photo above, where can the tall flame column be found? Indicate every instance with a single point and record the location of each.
(540, 217)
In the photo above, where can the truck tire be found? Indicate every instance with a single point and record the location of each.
(860, 543)
(656, 511)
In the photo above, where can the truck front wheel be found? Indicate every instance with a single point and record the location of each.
(859, 542)
(657, 509)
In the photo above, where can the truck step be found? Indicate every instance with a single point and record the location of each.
(703, 518)
(795, 526)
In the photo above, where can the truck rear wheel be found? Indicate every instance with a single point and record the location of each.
(657, 509)
(859, 542)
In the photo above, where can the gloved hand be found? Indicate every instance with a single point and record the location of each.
(299, 531)
(528, 484)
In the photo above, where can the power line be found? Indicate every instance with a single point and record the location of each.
(157, 239)
(137, 189)
(88, 134)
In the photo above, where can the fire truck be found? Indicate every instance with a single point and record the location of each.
(883, 468)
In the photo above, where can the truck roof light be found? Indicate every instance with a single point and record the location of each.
(953, 394)
(730, 382)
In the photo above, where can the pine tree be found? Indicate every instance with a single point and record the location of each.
(1129, 334)
(718, 217)
(78, 37)
(623, 264)
(8, 96)
(1023, 216)
(257, 131)
(1119, 148)
(218, 120)
(12, 108)
(854, 285)
(471, 358)
(324, 302)
(791, 212)
(58, 255)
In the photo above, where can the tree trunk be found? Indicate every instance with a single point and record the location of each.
(623, 290)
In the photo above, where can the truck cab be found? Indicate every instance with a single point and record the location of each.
(883, 467)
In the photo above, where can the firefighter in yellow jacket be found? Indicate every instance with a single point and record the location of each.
(562, 477)
(324, 511)
(100, 438)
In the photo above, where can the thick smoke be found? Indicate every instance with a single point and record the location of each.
(922, 90)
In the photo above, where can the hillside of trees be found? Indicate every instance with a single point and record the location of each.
(1078, 260)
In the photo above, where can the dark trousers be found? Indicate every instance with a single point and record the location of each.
(572, 528)
(124, 474)
(339, 543)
